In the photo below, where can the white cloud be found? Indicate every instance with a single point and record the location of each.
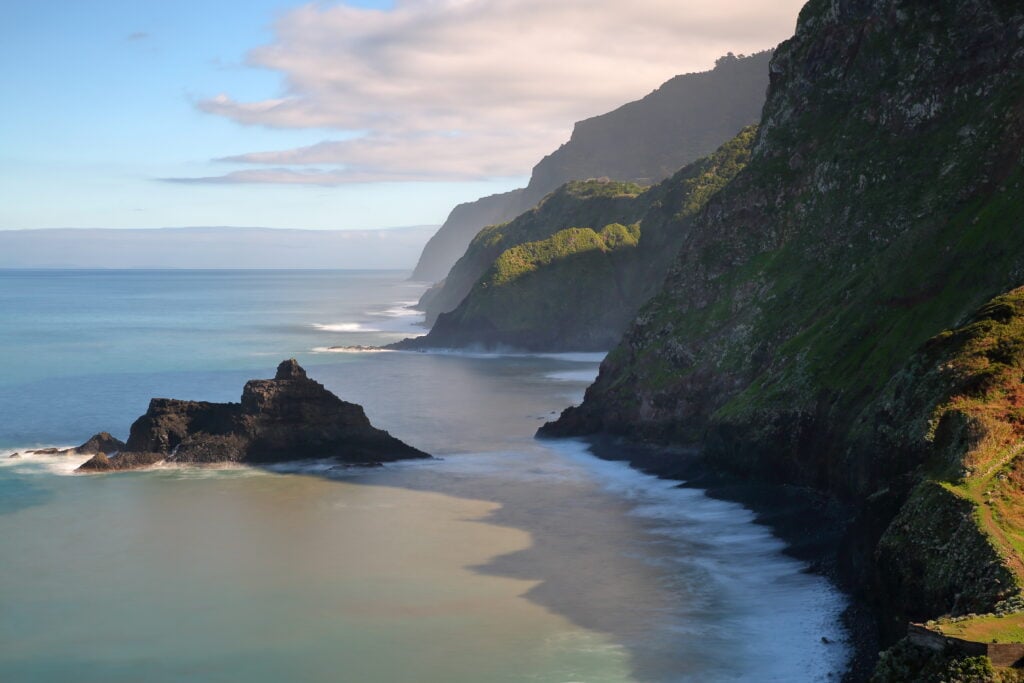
(478, 88)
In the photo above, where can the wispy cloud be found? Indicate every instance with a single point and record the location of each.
(321, 177)
(475, 88)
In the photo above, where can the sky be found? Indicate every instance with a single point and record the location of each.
(324, 115)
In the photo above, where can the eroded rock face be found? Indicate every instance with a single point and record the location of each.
(100, 443)
(290, 417)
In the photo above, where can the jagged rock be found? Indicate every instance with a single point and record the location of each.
(290, 417)
(98, 463)
(97, 443)
(100, 443)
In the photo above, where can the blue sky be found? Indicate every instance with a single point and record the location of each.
(336, 115)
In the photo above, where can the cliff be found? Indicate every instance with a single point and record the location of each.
(465, 221)
(578, 288)
(578, 203)
(290, 417)
(882, 205)
(644, 142)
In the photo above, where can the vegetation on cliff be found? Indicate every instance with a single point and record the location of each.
(643, 141)
(543, 286)
(882, 205)
(906, 663)
(577, 203)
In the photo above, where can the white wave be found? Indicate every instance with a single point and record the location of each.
(587, 376)
(577, 356)
(399, 309)
(343, 327)
(350, 349)
(776, 605)
(29, 462)
(569, 356)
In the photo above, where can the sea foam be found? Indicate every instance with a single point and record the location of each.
(343, 327)
(777, 612)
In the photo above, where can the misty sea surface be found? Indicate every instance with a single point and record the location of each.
(505, 559)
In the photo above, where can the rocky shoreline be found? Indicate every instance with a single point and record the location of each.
(814, 527)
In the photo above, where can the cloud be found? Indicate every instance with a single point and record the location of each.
(477, 88)
(321, 177)
(138, 35)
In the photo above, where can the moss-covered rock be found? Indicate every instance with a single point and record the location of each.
(906, 663)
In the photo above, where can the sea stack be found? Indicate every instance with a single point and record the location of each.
(290, 417)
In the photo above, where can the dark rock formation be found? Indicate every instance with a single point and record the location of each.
(97, 444)
(100, 443)
(290, 417)
(644, 142)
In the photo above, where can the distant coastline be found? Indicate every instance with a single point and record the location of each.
(205, 248)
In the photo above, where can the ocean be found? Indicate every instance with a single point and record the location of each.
(503, 559)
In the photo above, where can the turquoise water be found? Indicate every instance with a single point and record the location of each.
(504, 560)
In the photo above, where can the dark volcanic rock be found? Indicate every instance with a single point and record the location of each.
(290, 417)
(97, 443)
(100, 443)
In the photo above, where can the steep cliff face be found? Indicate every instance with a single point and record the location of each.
(643, 141)
(883, 203)
(579, 288)
(465, 221)
(579, 203)
(651, 139)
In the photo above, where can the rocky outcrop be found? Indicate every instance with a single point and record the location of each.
(290, 417)
(97, 444)
(100, 443)
(644, 142)
(882, 205)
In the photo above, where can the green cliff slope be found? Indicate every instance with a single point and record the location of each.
(883, 204)
(570, 295)
(591, 202)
